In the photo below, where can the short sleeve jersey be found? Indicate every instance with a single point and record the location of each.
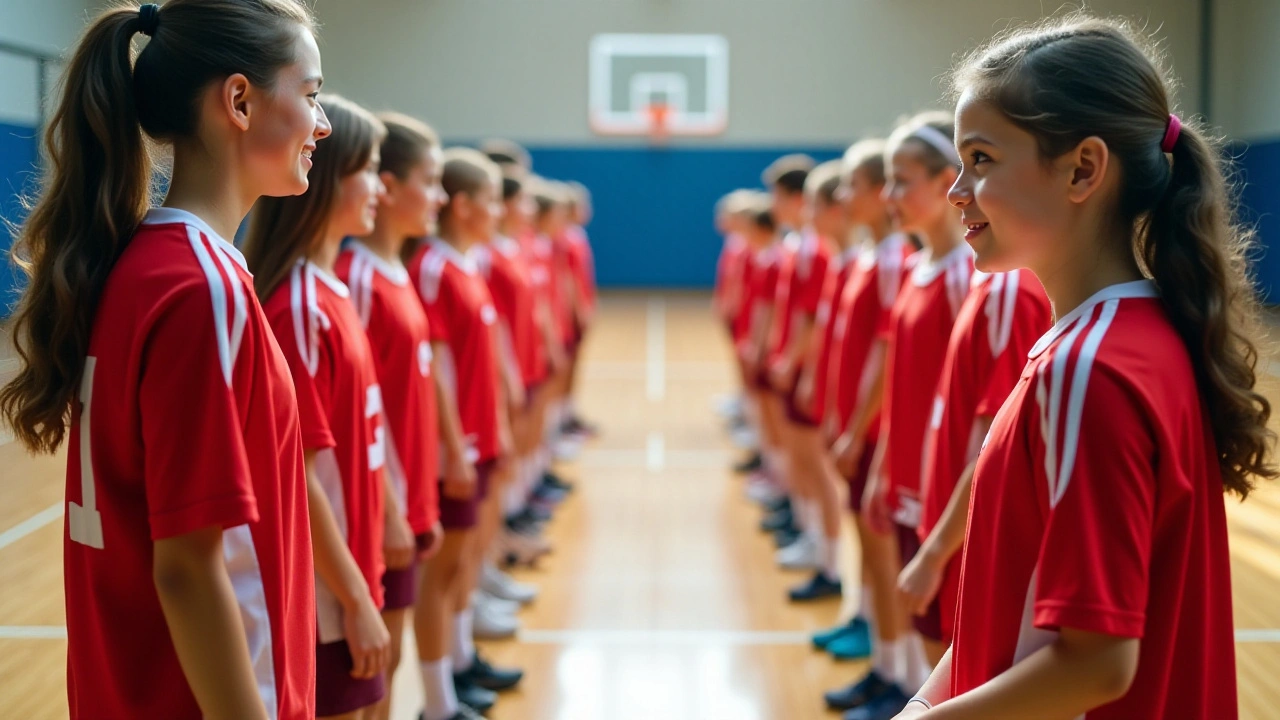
(185, 419)
(801, 274)
(920, 328)
(824, 325)
(462, 318)
(400, 338)
(1000, 320)
(583, 265)
(760, 296)
(729, 276)
(1098, 505)
(862, 314)
(508, 277)
(340, 405)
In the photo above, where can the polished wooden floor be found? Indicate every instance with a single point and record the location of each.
(661, 601)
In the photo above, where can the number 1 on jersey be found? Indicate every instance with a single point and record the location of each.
(84, 522)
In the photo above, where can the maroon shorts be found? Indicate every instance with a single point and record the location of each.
(337, 693)
(858, 483)
(458, 514)
(795, 413)
(400, 588)
(930, 624)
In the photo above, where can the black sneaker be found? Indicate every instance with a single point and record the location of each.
(782, 503)
(464, 713)
(553, 480)
(485, 675)
(474, 696)
(750, 465)
(865, 691)
(776, 521)
(818, 588)
(786, 536)
(884, 707)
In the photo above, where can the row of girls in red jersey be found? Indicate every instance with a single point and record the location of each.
(273, 455)
(1029, 369)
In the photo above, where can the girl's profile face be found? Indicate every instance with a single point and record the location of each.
(358, 196)
(916, 197)
(416, 199)
(1013, 204)
(862, 199)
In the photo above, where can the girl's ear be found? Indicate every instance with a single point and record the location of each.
(390, 184)
(1086, 168)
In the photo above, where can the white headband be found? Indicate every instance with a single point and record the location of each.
(938, 140)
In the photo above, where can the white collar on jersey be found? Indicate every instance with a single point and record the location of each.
(394, 272)
(1121, 291)
(333, 282)
(175, 216)
(507, 246)
(928, 269)
(450, 253)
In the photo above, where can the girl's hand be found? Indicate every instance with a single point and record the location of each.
(875, 505)
(398, 546)
(919, 582)
(367, 637)
(459, 478)
(435, 538)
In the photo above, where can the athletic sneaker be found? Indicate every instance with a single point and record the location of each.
(799, 555)
(485, 675)
(553, 480)
(750, 465)
(885, 707)
(745, 438)
(490, 624)
(786, 537)
(858, 694)
(549, 495)
(473, 696)
(567, 449)
(762, 490)
(819, 587)
(857, 624)
(494, 604)
(775, 521)
(782, 503)
(464, 713)
(854, 645)
(501, 585)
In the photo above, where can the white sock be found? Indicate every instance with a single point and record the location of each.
(866, 605)
(892, 664)
(815, 518)
(464, 644)
(918, 668)
(437, 683)
(828, 554)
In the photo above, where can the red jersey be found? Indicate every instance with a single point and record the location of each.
(549, 261)
(511, 286)
(564, 288)
(1002, 317)
(400, 338)
(801, 274)
(759, 301)
(463, 319)
(816, 367)
(730, 274)
(582, 263)
(920, 327)
(186, 419)
(862, 316)
(340, 404)
(1098, 505)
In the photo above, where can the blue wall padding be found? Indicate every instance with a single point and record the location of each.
(1259, 165)
(17, 176)
(653, 224)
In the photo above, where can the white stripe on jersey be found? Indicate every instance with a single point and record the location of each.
(429, 278)
(889, 271)
(228, 334)
(999, 309)
(361, 285)
(241, 558)
(1079, 385)
(308, 318)
(957, 279)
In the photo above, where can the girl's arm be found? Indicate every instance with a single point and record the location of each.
(363, 627)
(398, 544)
(459, 474)
(203, 616)
(936, 690)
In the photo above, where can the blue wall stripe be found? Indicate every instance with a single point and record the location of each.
(18, 175)
(1259, 166)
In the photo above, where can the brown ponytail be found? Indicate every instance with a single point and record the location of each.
(1081, 76)
(99, 176)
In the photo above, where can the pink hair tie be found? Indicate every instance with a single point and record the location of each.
(1171, 134)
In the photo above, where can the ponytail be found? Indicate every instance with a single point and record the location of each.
(1199, 263)
(96, 194)
(98, 181)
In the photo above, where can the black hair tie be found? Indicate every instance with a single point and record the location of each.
(148, 19)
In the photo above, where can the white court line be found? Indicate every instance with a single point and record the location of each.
(33, 632)
(655, 452)
(645, 458)
(30, 525)
(1258, 635)
(655, 382)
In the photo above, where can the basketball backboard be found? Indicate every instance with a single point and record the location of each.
(685, 77)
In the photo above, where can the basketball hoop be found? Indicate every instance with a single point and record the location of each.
(659, 115)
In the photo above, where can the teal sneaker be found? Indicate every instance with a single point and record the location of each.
(852, 645)
(824, 638)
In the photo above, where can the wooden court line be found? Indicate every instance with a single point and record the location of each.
(30, 525)
(690, 638)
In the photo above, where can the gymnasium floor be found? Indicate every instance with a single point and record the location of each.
(661, 601)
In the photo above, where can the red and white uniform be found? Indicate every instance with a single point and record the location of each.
(759, 300)
(340, 404)
(548, 261)
(802, 271)
(1000, 320)
(582, 263)
(564, 289)
(511, 285)
(862, 316)
(730, 276)
(920, 328)
(463, 318)
(185, 419)
(400, 338)
(817, 366)
(1098, 505)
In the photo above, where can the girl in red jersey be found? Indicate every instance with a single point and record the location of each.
(396, 325)
(477, 434)
(292, 247)
(860, 341)
(139, 327)
(806, 402)
(922, 165)
(582, 271)
(1096, 573)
